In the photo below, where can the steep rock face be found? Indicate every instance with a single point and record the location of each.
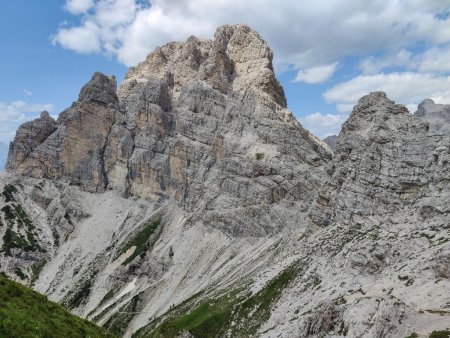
(203, 122)
(74, 146)
(201, 205)
(378, 265)
(236, 60)
(29, 136)
(384, 161)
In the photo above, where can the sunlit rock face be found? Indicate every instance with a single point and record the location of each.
(192, 187)
(201, 122)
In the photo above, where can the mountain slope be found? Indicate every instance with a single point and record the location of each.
(190, 202)
(192, 141)
(25, 313)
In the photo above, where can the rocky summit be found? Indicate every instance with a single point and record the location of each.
(189, 202)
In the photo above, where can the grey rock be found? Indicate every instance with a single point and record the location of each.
(198, 138)
(28, 137)
(438, 115)
(331, 141)
(202, 122)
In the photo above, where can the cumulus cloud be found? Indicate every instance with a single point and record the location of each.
(324, 125)
(316, 74)
(435, 60)
(13, 114)
(402, 47)
(408, 88)
(304, 34)
(432, 60)
(79, 6)
(84, 39)
(103, 29)
(402, 58)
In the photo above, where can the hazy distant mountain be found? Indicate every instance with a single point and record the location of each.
(3, 155)
(438, 115)
(331, 141)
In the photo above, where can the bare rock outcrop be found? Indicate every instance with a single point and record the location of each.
(385, 160)
(28, 137)
(74, 146)
(192, 187)
(203, 122)
(438, 115)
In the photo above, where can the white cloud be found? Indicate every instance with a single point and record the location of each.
(407, 88)
(324, 125)
(104, 28)
(434, 60)
(402, 58)
(304, 34)
(84, 39)
(27, 92)
(79, 6)
(316, 74)
(13, 114)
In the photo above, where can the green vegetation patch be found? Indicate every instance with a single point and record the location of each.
(107, 297)
(14, 240)
(210, 319)
(36, 270)
(15, 215)
(237, 313)
(25, 313)
(119, 322)
(8, 193)
(140, 240)
(259, 156)
(78, 296)
(256, 309)
(412, 335)
(440, 334)
(83, 293)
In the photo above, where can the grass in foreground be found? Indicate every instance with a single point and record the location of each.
(25, 313)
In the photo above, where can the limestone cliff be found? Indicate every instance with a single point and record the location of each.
(202, 122)
(189, 202)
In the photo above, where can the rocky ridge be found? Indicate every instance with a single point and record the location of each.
(192, 187)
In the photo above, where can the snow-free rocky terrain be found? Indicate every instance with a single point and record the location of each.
(191, 203)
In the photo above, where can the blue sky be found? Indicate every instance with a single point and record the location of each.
(328, 53)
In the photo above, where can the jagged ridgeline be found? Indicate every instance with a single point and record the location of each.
(191, 203)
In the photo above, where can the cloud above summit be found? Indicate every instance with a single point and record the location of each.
(302, 33)
(351, 46)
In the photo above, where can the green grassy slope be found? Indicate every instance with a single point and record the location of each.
(25, 313)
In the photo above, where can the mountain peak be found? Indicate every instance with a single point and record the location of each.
(101, 88)
(190, 116)
(237, 59)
